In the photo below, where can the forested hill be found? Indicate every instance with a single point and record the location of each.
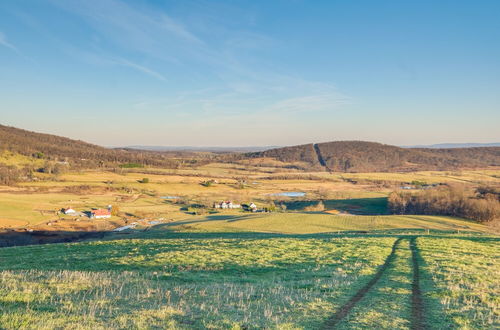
(343, 156)
(360, 156)
(52, 147)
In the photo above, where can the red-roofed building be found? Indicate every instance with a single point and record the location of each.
(100, 214)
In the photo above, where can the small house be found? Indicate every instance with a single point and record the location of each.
(69, 211)
(100, 214)
(253, 207)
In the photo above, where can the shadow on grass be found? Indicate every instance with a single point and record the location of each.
(21, 238)
(208, 218)
(164, 232)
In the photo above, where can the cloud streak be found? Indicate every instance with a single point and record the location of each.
(5, 43)
(138, 67)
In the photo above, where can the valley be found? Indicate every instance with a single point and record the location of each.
(236, 241)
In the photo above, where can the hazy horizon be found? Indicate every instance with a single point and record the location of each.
(247, 73)
(276, 146)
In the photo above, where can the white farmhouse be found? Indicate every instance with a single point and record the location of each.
(253, 207)
(69, 211)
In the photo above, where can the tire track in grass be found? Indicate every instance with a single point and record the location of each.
(417, 321)
(347, 307)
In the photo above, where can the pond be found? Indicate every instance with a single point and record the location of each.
(290, 194)
(170, 197)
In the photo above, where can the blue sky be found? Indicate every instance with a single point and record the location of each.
(246, 73)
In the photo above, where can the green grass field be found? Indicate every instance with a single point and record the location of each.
(216, 283)
(462, 280)
(251, 277)
(319, 222)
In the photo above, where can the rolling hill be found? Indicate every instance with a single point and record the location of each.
(53, 147)
(342, 156)
(360, 156)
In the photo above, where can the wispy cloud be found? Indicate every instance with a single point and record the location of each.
(101, 58)
(138, 67)
(282, 97)
(139, 29)
(4, 42)
(178, 29)
(229, 58)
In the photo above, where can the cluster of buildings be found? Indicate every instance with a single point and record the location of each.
(226, 205)
(93, 214)
(230, 205)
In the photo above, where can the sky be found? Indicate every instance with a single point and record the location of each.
(252, 73)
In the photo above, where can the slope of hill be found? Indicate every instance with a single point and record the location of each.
(52, 147)
(360, 156)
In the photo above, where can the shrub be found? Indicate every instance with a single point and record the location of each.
(144, 180)
(315, 208)
(208, 183)
(9, 175)
(115, 210)
(418, 183)
(271, 207)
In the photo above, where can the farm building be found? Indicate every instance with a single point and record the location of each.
(253, 207)
(226, 205)
(100, 214)
(69, 211)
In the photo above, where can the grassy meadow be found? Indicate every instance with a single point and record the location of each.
(244, 280)
(464, 275)
(308, 223)
(215, 283)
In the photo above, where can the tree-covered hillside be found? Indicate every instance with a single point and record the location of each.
(360, 156)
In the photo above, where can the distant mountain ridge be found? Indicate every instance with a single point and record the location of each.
(361, 156)
(455, 145)
(342, 156)
(202, 149)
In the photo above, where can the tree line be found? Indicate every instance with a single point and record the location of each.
(481, 204)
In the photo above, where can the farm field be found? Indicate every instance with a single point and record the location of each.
(241, 280)
(36, 203)
(309, 223)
